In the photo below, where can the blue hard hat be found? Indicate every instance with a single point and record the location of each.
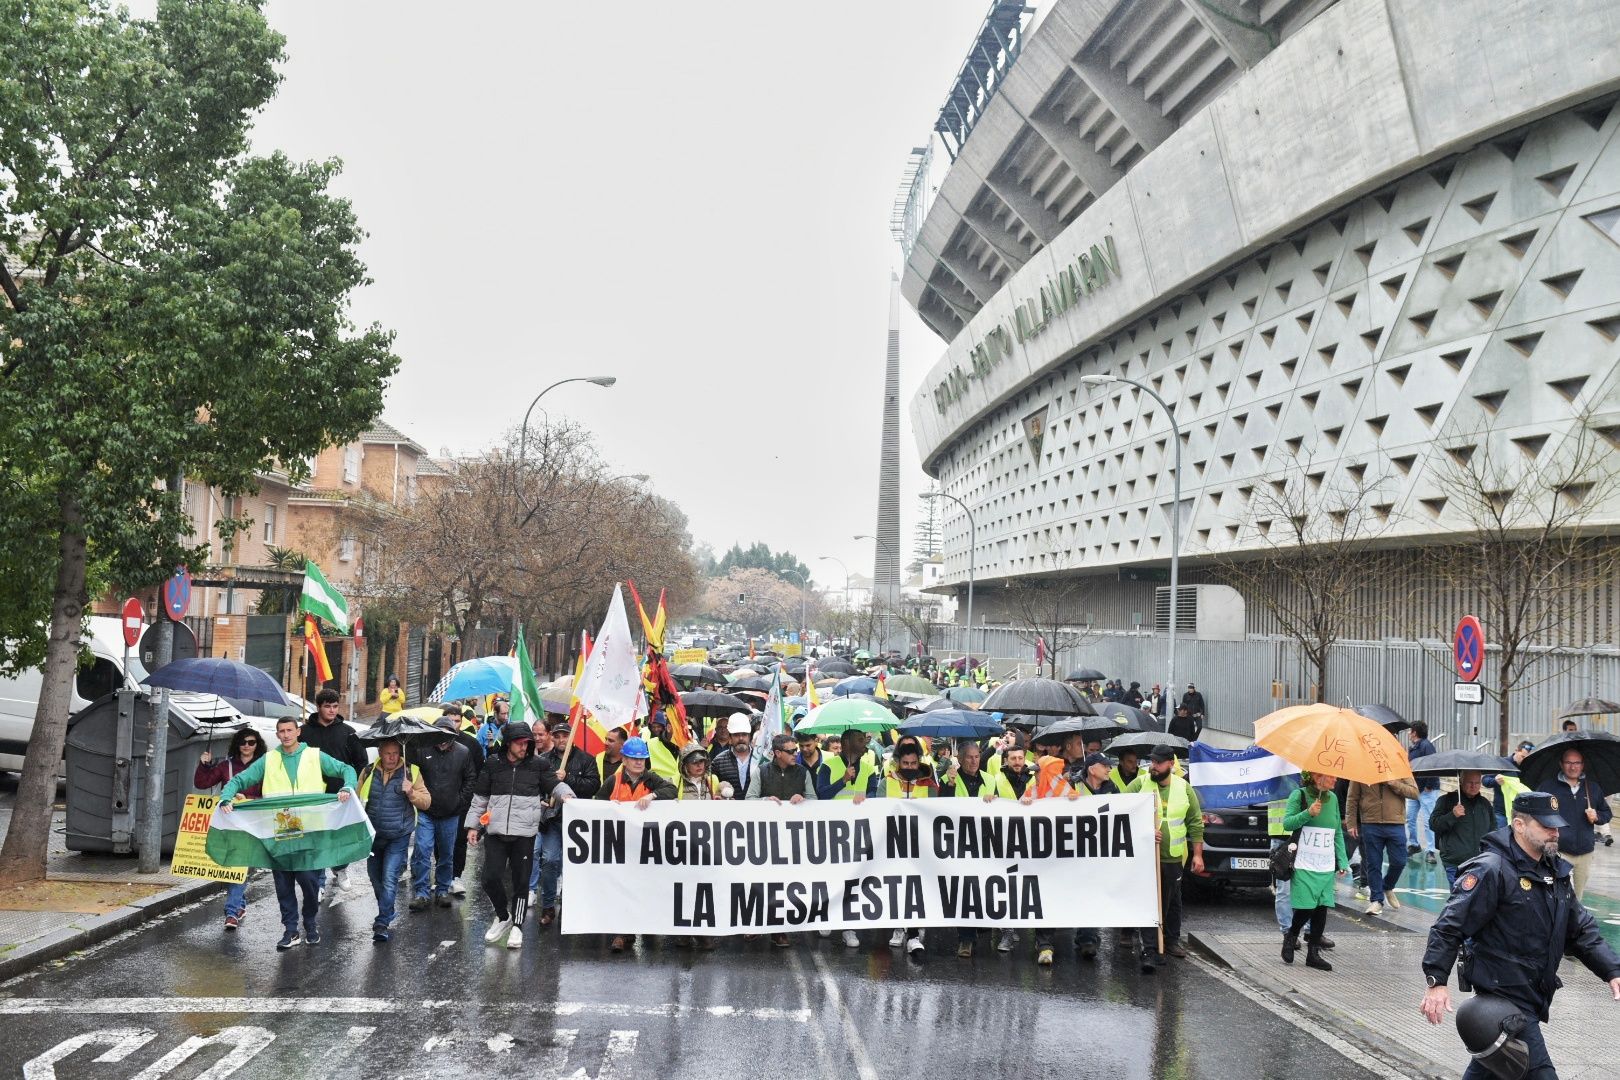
(636, 748)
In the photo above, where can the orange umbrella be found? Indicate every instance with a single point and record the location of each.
(1325, 739)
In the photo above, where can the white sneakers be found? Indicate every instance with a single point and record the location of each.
(457, 888)
(1393, 901)
(532, 898)
(1375, 908)
(915, 945)
(852, 939)
(497, 930)
(897, 939)
(514, 940)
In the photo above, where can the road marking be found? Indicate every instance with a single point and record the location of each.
(1303, 1020)
(244, 1042)
(436, 953)
(852, 1037)
(121, 1042)
(828, 1067)
(244, 1006)
(620, 1046)
(358, 1035)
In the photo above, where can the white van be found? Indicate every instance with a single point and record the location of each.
(19, 697)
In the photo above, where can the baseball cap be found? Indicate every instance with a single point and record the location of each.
(1095, 759)
(561, 727)
(1162, 753)
(1541, 806)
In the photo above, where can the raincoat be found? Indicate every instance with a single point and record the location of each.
(1314, 888)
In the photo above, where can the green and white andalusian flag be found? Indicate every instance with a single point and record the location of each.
(526, 704)
(323, 601)
(290, 832)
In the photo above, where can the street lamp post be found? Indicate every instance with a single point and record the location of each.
(973, 544)
(1175, 521)
(804, 585)
(893, 598)
(523, 438)
(840, 562)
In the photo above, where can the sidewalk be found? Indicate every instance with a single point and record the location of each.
(1373, 992)
(84, 899)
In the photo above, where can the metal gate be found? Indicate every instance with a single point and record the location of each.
(266, 646)
(415, 647)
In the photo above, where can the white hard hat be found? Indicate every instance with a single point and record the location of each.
(739, 724)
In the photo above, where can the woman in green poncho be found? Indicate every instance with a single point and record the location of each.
(1313, 810)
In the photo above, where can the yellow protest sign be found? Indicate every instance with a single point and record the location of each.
(782, 648)
(190, 854)
(690, 656)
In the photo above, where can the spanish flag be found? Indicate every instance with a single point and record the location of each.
(317, 649)
(811, 698)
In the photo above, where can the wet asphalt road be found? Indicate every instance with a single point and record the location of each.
(182, 999)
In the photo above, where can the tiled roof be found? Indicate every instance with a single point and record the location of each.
(384, 432)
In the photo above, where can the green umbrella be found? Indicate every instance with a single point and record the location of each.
(837, 717)
(911, 684)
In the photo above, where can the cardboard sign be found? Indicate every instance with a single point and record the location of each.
(689, 656)
(190, 851)
(1316, 850)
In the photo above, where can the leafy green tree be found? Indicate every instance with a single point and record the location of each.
(169, 306)
(758, 556)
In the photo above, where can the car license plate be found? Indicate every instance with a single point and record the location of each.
(1251, 864)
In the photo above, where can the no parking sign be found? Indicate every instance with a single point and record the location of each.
(1468, 648)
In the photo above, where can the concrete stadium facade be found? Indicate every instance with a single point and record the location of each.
(1362, 238)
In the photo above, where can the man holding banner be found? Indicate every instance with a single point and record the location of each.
(292, 830)
(1181, 827)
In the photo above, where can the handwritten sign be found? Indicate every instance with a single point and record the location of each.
(1316, 850)
(190, 851)
(689, 656)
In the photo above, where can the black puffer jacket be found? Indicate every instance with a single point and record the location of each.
(336, 740)
(449, 775)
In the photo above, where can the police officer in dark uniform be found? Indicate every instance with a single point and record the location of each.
(1515, 906)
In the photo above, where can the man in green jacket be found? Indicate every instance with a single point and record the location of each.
(288, 770)
(1181, 831)
(1460, 821)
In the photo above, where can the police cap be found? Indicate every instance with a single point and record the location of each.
(1541, 806)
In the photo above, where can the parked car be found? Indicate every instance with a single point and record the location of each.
(1237, 849)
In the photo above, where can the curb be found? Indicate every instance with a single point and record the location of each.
(1344, 1026)
(71, 939)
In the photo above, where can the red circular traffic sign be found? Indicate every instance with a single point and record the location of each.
(134, 616)
(177, 594)
(1468, 648)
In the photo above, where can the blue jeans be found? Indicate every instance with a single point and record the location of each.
(435, 844)
(1451, 876)
(387, 857)
(289, 883)
(1425, 801)
(547, 872)
(1541, 1066)
(1376, 842)
(236, 899)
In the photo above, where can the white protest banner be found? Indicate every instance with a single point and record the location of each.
(757, 866)
(1316, 850)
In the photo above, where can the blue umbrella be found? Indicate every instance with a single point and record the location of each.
(216, 675)
(475, 678)
(856, 684)
(952, 724)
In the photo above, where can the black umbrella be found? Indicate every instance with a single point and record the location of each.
(752, 665)
(712, 703)
(1045, 697)
(1085, 674)
(1144, 743)
(835, 667)
(1134, 719)
(1591, 706)
(1600, 749)
(398, 727)
(1093, 727)
(930, 704)
(697, 672)
(749, 682)
(1451, 761)
(1021, 721)
(1392, 721)
(1058, 729)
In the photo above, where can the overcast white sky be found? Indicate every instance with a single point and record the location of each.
(692, 197)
